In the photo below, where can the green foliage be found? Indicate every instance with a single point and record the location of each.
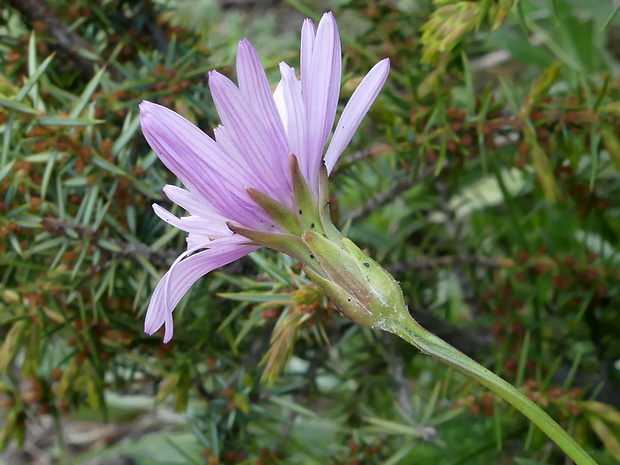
(486, 178)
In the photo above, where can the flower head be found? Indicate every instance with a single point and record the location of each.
(262, 180)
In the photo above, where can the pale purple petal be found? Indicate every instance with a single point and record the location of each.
(254, 85)
(356, 109)
(197, 207)
(189, 202)
(278, 97)
(222, 137)
(250, 137)
(177, 281)
(196, 240)
(322, 90)
(296, 115)
(308, 34)
(161, 121)
(197, 224)
(194, 158)
(334, 83)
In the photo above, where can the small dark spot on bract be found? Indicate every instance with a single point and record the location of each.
(367, 265)
(311, 225)
(349, 300)
(300, 212)
(311, 256)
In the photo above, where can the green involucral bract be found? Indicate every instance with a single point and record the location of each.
(361, 289)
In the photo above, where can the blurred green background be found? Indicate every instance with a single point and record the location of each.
(486, 178)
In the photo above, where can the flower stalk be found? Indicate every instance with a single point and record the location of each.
(409, 330)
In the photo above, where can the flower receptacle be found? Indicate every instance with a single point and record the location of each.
(362, 290)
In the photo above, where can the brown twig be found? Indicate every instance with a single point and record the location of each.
(385, 197)
(454, 233)
(360, 155)
(66, 43)
(150, 27)
(427, 263)
(60, 227)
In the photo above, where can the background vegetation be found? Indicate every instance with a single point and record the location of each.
(486, 178)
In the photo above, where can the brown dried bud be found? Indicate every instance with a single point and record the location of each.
(523, 256)
(573, 408)
(79, 166)
(228, 392)
(506, 291)
(85, 153)
(487, 295)
(497, 329)
(574, 392)
(555, 393)
(353, 446)
(541, 267)
(106, 146)
(432, 157)
(39, 26)
(570, 261)
(271, 313)
(34, 203)
(590, 274)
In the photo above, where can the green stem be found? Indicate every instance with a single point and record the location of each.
(414, 334)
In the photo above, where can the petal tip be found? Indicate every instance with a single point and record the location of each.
(144, 107)
(150, 326)
(329, 18)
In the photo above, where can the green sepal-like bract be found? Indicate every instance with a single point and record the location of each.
(362, 290)
(305, 200)
(281, 215)
(331, 231)
(282, 242)
(346, 303)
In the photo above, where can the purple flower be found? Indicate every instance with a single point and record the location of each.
(250, 157)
